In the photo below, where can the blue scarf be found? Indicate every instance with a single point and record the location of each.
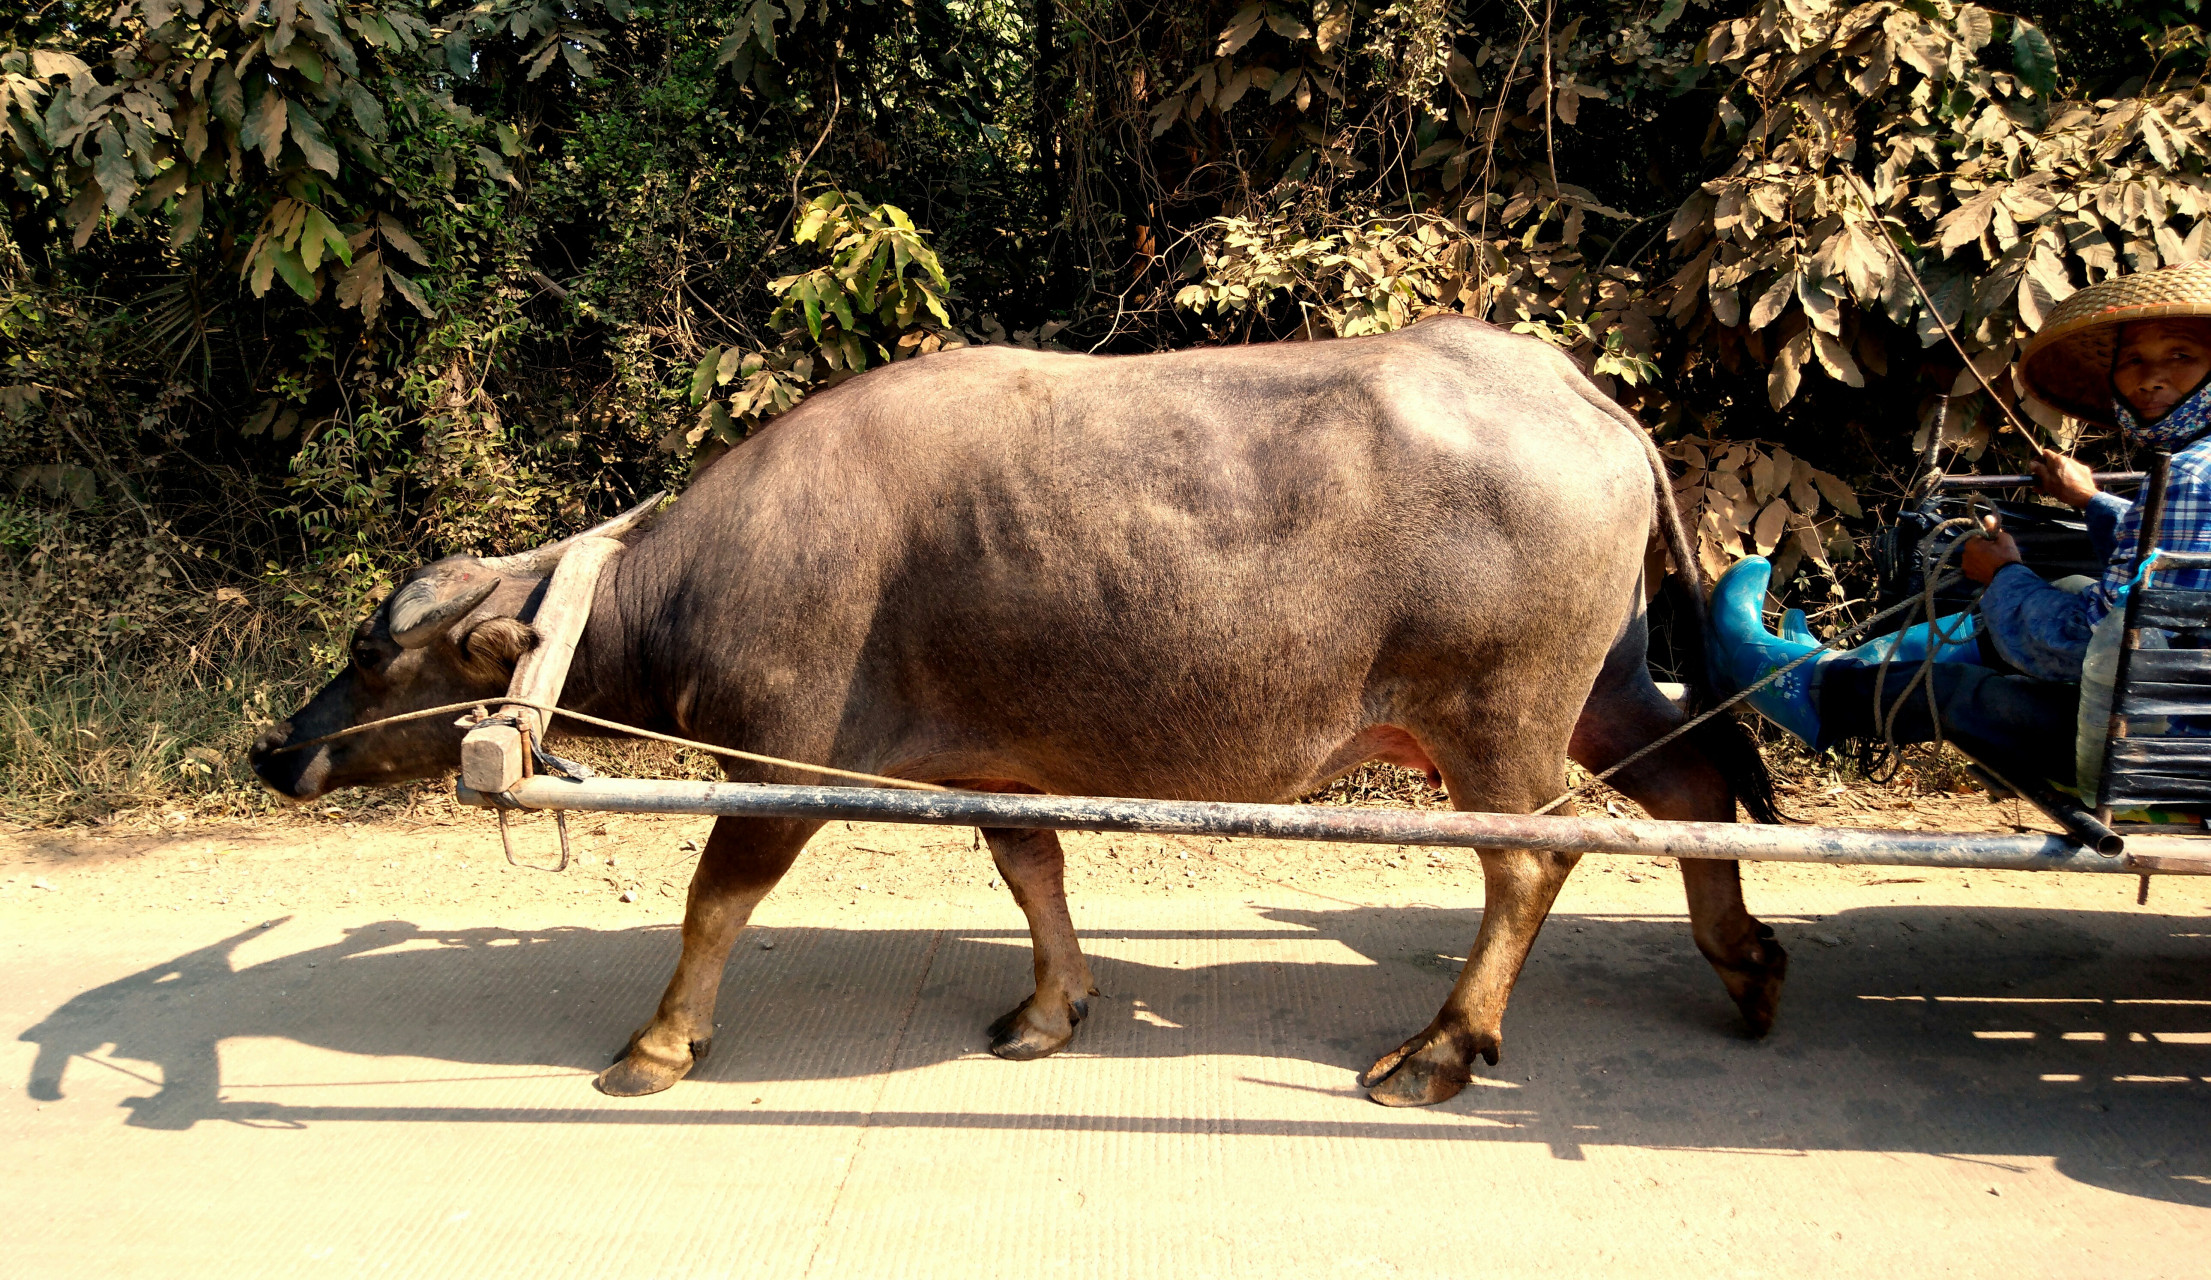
(2180, 425)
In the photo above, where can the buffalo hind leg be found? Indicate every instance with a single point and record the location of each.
(1518, 888)
(1035, 869)
(1681, 783)
(743, 860)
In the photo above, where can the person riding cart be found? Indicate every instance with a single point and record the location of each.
(2133, 351)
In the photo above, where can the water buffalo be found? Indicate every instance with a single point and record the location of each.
(1232, 574)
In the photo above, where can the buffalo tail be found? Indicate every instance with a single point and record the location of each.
(1724, 740)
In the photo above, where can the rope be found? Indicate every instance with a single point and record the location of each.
(618, 727)
(1931, 568)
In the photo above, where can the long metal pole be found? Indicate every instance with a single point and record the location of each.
(2103, 479)
(1553, 834)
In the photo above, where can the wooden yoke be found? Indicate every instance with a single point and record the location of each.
(496, 756)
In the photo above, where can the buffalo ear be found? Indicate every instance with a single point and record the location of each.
(500, 641)
(430, 604)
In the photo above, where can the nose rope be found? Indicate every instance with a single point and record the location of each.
(549, 709)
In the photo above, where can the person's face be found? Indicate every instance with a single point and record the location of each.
(2159, 362)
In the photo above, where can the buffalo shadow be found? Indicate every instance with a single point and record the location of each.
(2084, 1037)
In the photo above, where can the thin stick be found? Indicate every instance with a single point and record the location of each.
(1896, 254)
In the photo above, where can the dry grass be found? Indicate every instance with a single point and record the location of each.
(88, 745)
(167, 742)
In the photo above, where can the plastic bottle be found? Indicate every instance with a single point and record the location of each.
(2097, 673)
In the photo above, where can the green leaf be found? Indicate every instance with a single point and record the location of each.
(619, 10)
(301, 58)
(2032, 58)
(702, 376)
(810, 297)
(307, 134)
(295, 272)
(877, 264)
(316, 234)
(763, 17)
(367, 111)
(330, 34)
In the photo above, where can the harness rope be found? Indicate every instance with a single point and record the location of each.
(550, 709)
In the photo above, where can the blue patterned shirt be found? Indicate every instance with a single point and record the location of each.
(2044, 631)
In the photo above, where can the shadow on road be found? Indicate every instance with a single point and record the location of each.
(1990, 1035)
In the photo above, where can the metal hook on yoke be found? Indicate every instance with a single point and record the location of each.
(506, 841)
(546, 762)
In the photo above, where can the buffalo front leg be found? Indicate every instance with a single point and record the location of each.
(743, 860)
(1518, 888)
(1035, 870)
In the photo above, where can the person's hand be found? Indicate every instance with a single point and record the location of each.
(1983, 557)
(2066, 479)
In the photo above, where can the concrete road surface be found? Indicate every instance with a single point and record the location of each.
(1972, 1075)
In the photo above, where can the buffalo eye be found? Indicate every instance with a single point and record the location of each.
(369, 656)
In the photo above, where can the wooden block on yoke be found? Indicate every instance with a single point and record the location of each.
(491, 758)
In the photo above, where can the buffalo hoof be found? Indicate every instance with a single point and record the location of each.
(1426, 1069)
(1027, 1033)
(1754, 981)
(639, 1071)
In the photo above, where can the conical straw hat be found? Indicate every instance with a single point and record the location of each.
(2068, 363)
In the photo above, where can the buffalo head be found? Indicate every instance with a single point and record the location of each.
(450, 633)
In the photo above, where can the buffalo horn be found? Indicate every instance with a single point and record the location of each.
(541, 561)
(428, 605)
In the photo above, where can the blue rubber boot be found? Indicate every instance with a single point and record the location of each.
(1796, 629)
(1957, 642)
(1740, 652)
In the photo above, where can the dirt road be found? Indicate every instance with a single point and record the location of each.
(365, 1050)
